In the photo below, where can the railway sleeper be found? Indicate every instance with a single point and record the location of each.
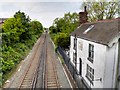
(52, 85)
(27, 82)
(51, 78)
(28, 78)
(26, 86)
(51, 82)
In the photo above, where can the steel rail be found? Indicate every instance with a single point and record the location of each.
(50, 78)
(33, 80)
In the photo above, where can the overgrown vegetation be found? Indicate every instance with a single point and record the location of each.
(102, 9)
(61, 29)
(18, 36)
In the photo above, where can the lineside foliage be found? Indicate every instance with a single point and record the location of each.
(62, 27)
(18, 36)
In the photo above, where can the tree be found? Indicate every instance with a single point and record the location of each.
(62, 27)
(101, 10)
(66, 24)
(18, 36)
(63, 40)
(36, 28)
(25, 19)
(16, 29)
(12, 29)
(52, 29)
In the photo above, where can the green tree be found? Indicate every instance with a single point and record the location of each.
(64, 26)
(63, 40)
(101, 10)
(52, 29)
(16, 29)
(25, 20)
(36, 28)
(18, 36)
(12, 29)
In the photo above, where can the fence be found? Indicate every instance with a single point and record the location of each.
(71, 68)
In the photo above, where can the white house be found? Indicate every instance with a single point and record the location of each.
(95, 52)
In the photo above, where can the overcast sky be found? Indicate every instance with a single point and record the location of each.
(45, 11)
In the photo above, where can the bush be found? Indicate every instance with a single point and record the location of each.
(18, 36)
(7, 66)
(62, 40)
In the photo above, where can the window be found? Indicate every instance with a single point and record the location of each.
(91, 53)
(74, 57)
(75, 43)
(90, 74)
(80, 43)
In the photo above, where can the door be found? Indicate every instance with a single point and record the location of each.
(80, 67)
(118, 81)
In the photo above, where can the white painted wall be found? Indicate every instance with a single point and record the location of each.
(111, 66)
(104, 64)
(98, 62)
(71, 48)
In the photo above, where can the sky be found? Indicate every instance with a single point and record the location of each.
(44, 11)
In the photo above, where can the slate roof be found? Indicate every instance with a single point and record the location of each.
(102, 32)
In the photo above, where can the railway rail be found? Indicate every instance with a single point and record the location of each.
(39, 69)
(29, 78)
(50, 78)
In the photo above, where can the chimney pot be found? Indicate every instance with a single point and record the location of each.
(85, 9)
(83, 16)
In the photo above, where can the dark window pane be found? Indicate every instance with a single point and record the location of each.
(90, 73)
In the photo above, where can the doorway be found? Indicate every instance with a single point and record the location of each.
(118, 78)
(80, 67)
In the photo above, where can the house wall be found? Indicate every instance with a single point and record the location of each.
(118, 68)
(112, 63)
(111, 66)
(98, 62)
(104, 63)
(71, 48)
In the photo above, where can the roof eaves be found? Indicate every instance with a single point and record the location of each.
(106, 44)
(114, 40)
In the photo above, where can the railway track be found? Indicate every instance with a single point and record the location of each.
(50, 77)
(30, 77)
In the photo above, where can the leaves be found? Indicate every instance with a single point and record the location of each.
(62, 27)
(101, 10)
(18, 36)
(63, 40)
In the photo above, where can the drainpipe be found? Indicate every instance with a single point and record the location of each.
(74, 72)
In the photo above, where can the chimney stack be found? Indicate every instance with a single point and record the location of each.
(85, 9)
(83, 16)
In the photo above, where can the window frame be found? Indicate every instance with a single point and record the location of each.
(74, 57)
(91, 53)
(75, 43)
(90, 74)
